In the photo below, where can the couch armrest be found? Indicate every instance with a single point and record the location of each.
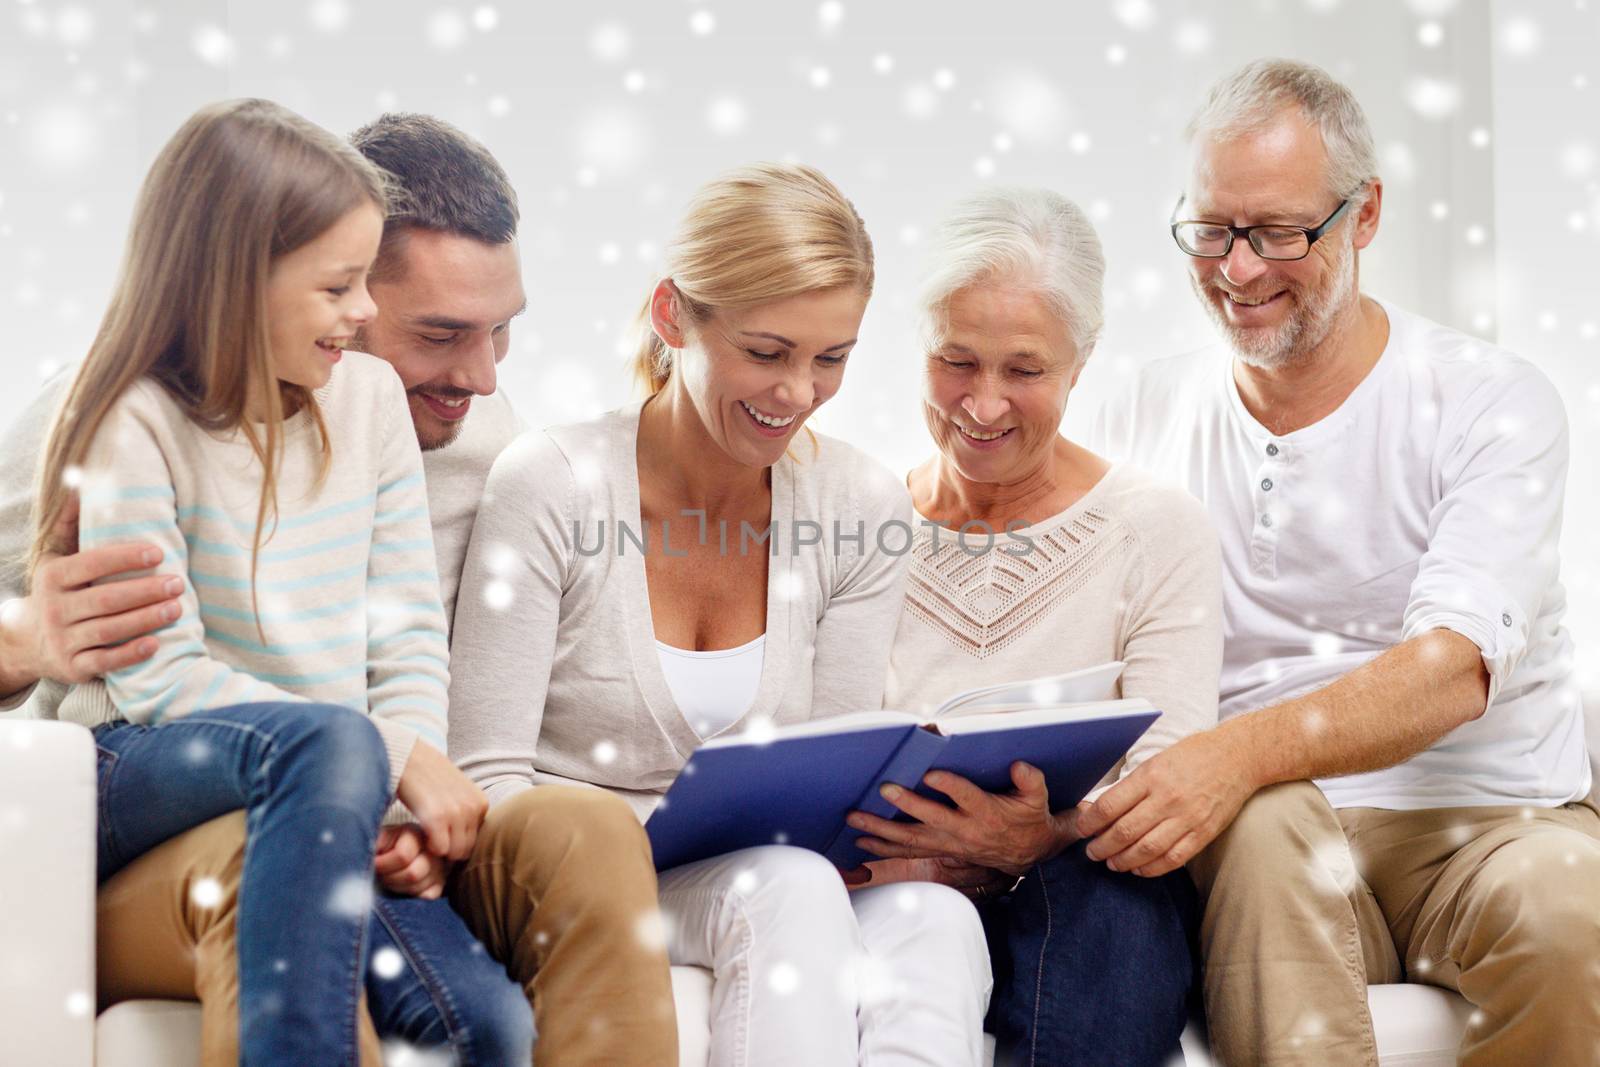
(47, 887)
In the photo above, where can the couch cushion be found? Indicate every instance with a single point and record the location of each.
(1416, 1025)
(148, 1033)
(166, 1033)
(691, 991)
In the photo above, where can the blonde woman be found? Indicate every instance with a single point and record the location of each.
(301, 672)
(672, 572)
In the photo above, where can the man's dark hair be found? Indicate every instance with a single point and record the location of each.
(446, 181)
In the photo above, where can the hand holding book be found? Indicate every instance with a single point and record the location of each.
(1008, 832)
(796, 785)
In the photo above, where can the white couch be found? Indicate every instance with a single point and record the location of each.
(47, 882)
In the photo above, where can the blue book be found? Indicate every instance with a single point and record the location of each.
(795, 785)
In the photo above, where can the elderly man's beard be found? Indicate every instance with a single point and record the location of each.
(1307, 325)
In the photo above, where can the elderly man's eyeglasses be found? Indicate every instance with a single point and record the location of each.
(1213, 240)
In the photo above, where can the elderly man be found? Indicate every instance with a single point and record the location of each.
(1387, 493)
(558, 885)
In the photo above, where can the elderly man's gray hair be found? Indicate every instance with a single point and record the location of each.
(1251, 98)
(1018, 236)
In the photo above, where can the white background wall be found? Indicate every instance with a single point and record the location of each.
(1545, 71)
(1487, 116)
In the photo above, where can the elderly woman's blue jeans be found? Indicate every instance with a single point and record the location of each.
(1091, 966)
(313, 780)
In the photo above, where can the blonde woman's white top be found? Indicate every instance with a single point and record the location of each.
(713, 688)
(555, 672)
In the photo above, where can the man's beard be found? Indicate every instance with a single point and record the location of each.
(429, 441)
(1306, 326)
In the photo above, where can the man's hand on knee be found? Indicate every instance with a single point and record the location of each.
(1170, 807)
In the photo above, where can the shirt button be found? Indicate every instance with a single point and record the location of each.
(1266, 520)
(1266, 485)
(1272, 450)
(1506, 618)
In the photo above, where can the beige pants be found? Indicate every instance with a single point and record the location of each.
(1305, 906)
(153, 940)
(560, 888)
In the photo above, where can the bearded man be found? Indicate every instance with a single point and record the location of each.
(1399, 787)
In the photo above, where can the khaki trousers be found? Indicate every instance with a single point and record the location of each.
(560, 888)
(164, 930)
(1305, 906)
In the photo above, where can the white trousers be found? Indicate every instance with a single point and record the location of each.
(809, 974)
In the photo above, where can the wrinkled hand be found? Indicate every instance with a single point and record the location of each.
(1170, 807)
(447, 805)
(405, 865)
(1007, 832)
(73, 631)
(975, 882)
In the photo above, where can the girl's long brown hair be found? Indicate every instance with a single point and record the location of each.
(240, 184)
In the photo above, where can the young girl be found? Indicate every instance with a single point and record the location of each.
(302, 675)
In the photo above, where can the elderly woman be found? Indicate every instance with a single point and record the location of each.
(1092, 962)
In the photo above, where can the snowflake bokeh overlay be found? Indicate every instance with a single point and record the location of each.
(607, 115)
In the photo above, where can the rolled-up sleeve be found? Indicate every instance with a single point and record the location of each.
(1494, 532)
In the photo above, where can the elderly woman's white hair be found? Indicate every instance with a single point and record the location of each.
(1026, 237)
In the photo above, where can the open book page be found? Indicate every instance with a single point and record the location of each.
(1074, 687)
(832, 724)
(991, 720)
